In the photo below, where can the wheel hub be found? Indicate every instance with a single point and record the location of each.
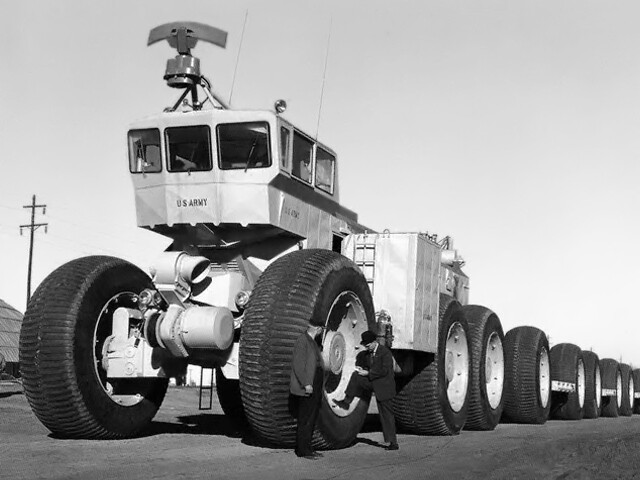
(581, 384)
(335, 354)
(544, 376)
(619, 389)
(494, 370)
(598, 381)
(122, 392)
(457, 366)
(345, 322)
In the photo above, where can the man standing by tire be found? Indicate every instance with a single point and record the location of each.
(306, 389)
(379, 378)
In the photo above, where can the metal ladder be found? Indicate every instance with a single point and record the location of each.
(365, 258)
(204, 388)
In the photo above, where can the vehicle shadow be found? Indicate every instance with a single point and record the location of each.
(200, 424)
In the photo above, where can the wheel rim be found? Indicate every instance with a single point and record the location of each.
(544, 377)
(598, 386)
(581, 383)
(619, 388)
(456, 366)
(631, 390)
(345, 323)
(114, 389)
(494, 370)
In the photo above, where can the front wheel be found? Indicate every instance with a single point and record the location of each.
(307, 287)
(63, 333)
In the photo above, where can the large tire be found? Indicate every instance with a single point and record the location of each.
(486, 383)
(567, 365)
(435, 401)
(63, 331)
(228, 391)
(626, 406)
(527, 383)
(611, 380)
(636, 387)
(593, 385)
(317, 287)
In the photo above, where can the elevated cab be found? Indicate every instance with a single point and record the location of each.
(227, 172)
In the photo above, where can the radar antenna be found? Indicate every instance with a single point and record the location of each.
(183, 71)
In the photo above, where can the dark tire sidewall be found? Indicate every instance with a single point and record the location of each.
(105, 282)
(340, 431)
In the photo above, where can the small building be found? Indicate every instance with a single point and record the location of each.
(10, 323)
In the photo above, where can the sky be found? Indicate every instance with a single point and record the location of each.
(511, 126)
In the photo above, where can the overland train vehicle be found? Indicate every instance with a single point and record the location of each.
(261, 249)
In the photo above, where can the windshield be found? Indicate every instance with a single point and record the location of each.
(243, 145)
(189, 148)
(144, 151)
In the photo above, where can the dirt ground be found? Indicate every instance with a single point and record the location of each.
(184, 442)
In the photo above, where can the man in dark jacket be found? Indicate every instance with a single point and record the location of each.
(374, 372)
(306, 389)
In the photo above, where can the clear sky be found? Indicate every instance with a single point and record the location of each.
(511, 126)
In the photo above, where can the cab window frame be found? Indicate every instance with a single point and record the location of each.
(245, 167)
(296, 168)
(332, 179)
(209, 148)
(130, 152)
(285, 148)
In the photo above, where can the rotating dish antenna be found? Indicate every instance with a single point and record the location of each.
(183, 71)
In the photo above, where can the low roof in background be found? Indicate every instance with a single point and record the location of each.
(10, 322)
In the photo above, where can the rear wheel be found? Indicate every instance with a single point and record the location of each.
(611, 387)
(626, 406)
(65, 327)
(487, 368)
(435, 400)
(636, 389)
(567, 367)
(317, 287)
(527, 384)
(593, 384)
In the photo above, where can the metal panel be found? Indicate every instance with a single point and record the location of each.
(402, 270)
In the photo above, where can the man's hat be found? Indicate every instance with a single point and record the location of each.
(368, 337)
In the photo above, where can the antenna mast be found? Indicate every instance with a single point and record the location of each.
(324, 75)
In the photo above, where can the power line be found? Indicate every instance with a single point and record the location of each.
(32, 227)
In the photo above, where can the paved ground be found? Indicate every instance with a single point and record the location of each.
(186, 443)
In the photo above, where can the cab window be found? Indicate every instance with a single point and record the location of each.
(188, 148)
(301, 165)
(243, 145)
(325, 168)
(284, 146)
(144, 151)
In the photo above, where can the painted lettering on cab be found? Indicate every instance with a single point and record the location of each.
(191, 202)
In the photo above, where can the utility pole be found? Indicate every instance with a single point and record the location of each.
(32, 227)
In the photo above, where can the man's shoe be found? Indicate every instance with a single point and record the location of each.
(392, 446)
(308, 456)
(344, 403)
